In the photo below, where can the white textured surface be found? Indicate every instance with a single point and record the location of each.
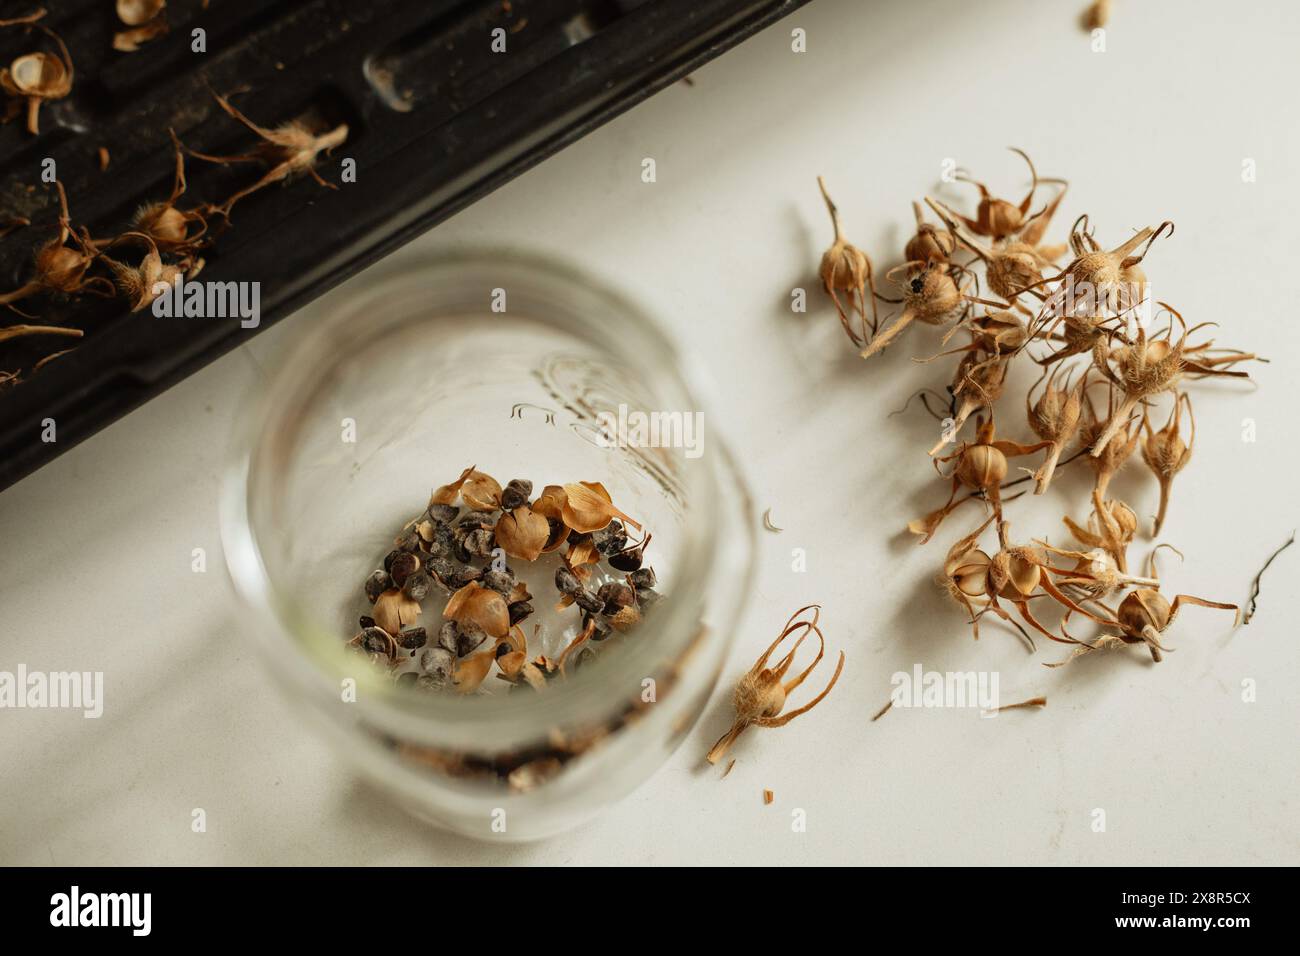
(96, 558)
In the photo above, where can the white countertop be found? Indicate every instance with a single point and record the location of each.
(96, 563)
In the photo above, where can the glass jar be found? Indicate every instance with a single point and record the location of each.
(509, 363)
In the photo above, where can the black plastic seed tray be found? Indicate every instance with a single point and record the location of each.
(436, 119)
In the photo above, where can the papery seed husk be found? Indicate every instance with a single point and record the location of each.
(394, 610)
(523, 533)
(587, 507)
(475, 604)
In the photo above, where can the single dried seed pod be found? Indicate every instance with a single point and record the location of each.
(930, 296)
(1166, 455)
(846, 268)
(40, 76)
(931, 243)
(1054, 418)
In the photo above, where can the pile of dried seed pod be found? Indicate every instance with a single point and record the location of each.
(456, 553)
(1112, 368)
(163, 241)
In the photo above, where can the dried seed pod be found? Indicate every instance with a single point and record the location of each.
(141, 284)
(475, 604)
(1116, 453)
(930, 243)
(978, 383)
(1146, 368)
(981, 466)
(1011, 269)
(998, 218)
(930, 295)
(760, 695)
(966, 573)
(60, 268)
(287, 151)
(846, 268)
(146, 21)
(1055, 419)
(394, 611)
(1144, 616)
(37, 77)
(1111, 527)
(1165, 453)
(1095, 573)
(1095, 279)
(522, 533)
(587, 507)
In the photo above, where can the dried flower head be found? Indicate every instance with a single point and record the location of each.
(286, 151)
(1166, 454)
(760, 695)
(998, 218)
(40, 76)
(60, 267)
(930, 295)
(931, 243)
(1055, 419)
(1111, 527)
(145, 22)
(846, 268)
(141, 284)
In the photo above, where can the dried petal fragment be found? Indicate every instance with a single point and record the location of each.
(588, 507)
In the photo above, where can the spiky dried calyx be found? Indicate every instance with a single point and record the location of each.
(760, 695)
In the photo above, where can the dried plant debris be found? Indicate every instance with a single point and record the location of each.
(36, 77)
(144, 20)
(760, 696)
(1112, 372)
(289, 150)
(1254, 585)
(453, 555)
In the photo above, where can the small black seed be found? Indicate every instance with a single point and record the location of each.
(375, 640)
(516, 493)
(409, 540)
(442, 514)
(367, 621)
(447, 636)
(377, 584)
(390, 558)
(588, 601)
(402, 567)
(566, 582)
(644, 578)
(503, 582)
(627, 560)
(412, 636)
(417, 586)
(519, 611)
(468, 637)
